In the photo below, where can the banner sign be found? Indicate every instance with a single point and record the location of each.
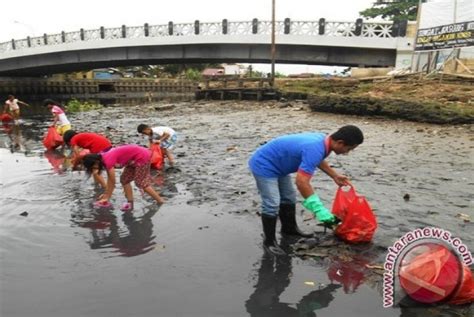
(445, 36)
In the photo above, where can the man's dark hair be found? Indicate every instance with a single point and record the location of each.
(142, 127)
(68, 135)
(349, 134)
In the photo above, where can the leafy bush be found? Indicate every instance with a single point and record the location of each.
(193, 74)
(75, 105)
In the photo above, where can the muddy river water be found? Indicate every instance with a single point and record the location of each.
(200, 253)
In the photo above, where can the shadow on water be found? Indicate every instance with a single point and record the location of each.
(15, 141)
(129, 235)
(273, 277)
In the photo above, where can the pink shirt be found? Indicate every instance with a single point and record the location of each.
(123, 155)
(62, 119)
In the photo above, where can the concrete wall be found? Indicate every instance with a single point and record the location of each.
(45, 87)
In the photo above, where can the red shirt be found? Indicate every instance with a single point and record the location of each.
(95, 143)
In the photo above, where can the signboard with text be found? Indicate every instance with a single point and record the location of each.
(445, 36)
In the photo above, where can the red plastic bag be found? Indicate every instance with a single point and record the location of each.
(6, 118)
(358, 221)
(156, 160)
(52, 139)
(465, 292)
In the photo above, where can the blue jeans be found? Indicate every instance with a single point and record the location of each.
(168, 144)
(275, 191)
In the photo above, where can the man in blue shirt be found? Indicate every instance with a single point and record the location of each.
(302, 153)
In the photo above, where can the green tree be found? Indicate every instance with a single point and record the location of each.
(193, 74)
(258, 74)
(279, 75)
(400, 10)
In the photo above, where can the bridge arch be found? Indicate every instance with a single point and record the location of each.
(298, 42)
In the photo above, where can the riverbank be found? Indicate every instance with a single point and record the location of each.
(200, 253)
(426, 101)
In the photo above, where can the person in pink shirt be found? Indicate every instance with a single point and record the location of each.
(60, 120)
(136, 162)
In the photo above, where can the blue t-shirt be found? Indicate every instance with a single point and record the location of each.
(289, 153)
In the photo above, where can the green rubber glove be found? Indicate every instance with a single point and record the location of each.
(314, 204)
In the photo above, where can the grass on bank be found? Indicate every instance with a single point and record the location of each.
(75, 105)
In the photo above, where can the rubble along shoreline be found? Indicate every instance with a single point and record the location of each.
(411, 99)
(391, 108)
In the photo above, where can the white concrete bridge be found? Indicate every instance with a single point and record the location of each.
(321, 42)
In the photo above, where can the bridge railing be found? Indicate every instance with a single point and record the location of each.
(288, 27)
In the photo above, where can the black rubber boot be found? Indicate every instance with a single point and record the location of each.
(269, 242)
(288, 221)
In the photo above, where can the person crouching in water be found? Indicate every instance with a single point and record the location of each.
(13, 105)
(164, 136)
(135, 159)
(60, 120)
(93, 142)
(273, 163)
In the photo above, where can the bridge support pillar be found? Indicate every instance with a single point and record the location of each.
(225, 25)
(124, 31)
(358, 27)
(287, 24)
(399, 28)
(146, 29)
(196, 27)
(322, 26)
(254, 26)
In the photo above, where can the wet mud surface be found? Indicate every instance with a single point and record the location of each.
(200, 254)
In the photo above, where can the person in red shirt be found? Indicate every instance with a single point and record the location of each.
(93, 142)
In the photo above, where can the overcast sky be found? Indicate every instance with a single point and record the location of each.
(21, 18)
(24, 17)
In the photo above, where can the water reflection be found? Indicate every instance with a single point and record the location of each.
(24, 135)
(15, 140)
(273, 278)
(129, 234)
(59, 161)
(349, 273)
(440, 310)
